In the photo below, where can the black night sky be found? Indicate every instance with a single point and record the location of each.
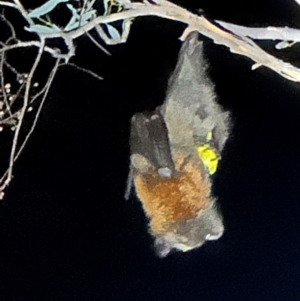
(66, 231)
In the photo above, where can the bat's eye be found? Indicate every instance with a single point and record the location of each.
(162, 248)
(209, 157)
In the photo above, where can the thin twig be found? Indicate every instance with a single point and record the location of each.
(54, 52)
(16, 95)
(8, 120)
(97, 44)
(21, 116)
(3, 57)
(13, 33)
(48, 85)
(22, 10)
(11, 68)
(38, 93)
(83, 69)
(47, 88)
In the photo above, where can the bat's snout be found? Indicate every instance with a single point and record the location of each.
(193, 233)
(215, 234)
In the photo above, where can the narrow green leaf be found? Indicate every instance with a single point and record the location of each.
(113, 33)
(42, 29)
(84, 19)
(45, 8)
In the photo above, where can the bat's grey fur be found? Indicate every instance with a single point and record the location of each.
(191, 109)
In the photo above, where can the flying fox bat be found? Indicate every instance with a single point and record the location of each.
(175, 150)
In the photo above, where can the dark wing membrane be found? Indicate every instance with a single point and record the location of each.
(149, 138)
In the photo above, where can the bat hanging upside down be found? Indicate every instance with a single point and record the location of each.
(174, 152)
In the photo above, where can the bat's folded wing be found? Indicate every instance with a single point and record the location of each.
(149, 144)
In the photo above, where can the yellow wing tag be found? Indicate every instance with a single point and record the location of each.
(208, 155)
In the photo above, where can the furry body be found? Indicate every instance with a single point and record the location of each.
(170, 174)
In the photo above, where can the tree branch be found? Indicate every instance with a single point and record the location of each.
(9, 4)
(237, 38)
(21, 117)
(236, 42)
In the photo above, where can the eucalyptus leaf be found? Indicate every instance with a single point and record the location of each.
(113, 33)
(284, 44)
(43, 29)
(90, 5)
(88, 15)
(84, 19)
(45, 8)
(72, 9)
(71, 25)
(75, 17)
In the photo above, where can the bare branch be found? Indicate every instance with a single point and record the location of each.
(45, 92)
(21, 116)
(9, 4)
(17, 5)
(237, 43)
(83, 69)
(12, 30)
(97, 44)
(3, 57)
(47, 86)
(54, 52)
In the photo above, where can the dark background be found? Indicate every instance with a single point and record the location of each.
(66, 233)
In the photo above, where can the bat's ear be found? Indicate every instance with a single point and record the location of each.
(141, 164)
(162, 247)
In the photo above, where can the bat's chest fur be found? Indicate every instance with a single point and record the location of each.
(166, 201)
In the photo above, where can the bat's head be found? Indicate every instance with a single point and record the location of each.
(182, 212)
(189, 234)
